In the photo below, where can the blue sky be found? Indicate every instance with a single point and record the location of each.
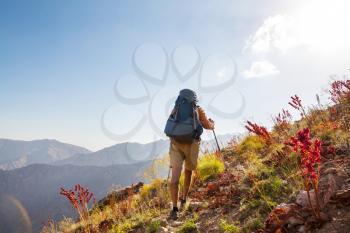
(59, 61)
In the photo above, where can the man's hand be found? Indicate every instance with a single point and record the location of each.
(212, 122)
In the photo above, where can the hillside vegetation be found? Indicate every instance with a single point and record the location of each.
(293, 178)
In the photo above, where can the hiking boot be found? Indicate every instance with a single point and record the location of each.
(173, 214)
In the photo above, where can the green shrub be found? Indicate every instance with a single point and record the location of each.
(154, 194)
(149, 190)
(228, 228)
(188, 226)
(253, 224)
(153, 227)
(254, 206)
(251, 143)
(124, 227)
(271, 187)
(260, 170)
(209, 166)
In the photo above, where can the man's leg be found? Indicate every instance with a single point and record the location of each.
(187, 183)
(191, 157)
(174, 184)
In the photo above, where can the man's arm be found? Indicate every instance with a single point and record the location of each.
(207, 123)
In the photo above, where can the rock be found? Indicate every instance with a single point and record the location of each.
(283, 214)
(212, 187)
(303, 200)
(224, 188)
(328, 191)
(331, 170)
(324, 217)
(301, 229)
(195, 206)
(120, 195)
(176, 223)
(295, 221)
(342, 196)
(163, 230)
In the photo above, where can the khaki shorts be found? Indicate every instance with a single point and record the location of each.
(180, 152)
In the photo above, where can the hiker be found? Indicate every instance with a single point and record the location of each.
(184, 127)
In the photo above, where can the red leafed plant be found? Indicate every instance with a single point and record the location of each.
(296, 103)
(283, 118)
(282, 121)
(340, 96)
(261, 131)
(339, 89)
(310, 154)
(79, 199)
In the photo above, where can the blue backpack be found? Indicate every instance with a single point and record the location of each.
(183, 124)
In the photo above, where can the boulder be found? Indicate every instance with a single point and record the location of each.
(120, 195)
(283, 214)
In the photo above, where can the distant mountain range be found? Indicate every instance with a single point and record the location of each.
(33, 172)
(123, 153)
(17, 154)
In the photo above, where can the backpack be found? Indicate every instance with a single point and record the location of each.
(183, 124)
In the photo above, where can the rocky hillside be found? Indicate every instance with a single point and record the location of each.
(292, 178)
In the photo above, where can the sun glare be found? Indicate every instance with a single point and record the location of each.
(324, 24)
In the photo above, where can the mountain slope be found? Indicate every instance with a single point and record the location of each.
(17, 154)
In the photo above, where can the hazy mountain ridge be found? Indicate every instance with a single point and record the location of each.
(122, 153)
(17, 153)
(132, 152)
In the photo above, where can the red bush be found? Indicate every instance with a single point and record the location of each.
(79, 199)
(309, 151)
(310, 154)
(261, 131)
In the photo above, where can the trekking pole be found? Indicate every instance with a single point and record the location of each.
(216, 140)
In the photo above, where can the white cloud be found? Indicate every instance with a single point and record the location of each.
(260, 69)
(320, 25)
(275, 33)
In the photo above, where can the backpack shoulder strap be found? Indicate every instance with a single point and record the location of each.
(196, 121)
